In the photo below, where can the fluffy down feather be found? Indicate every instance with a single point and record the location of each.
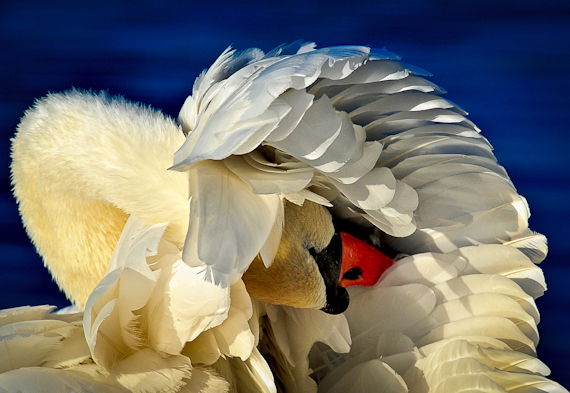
(83, 162)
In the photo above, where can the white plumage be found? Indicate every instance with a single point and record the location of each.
(155, 257)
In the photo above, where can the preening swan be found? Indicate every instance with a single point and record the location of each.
(200, 255)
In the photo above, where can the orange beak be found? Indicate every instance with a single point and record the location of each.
(362, 264)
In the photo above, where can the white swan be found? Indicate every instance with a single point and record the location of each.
(158, 258)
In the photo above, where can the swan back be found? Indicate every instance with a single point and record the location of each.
(81, 164)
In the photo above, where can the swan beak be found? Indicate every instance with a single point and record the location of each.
(362, 264)
(348, 261)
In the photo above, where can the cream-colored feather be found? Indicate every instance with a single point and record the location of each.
(205, 380)
(509, 370)
(81, 163)
(27, 344)
(53, 380)
(131, 329)
(495, 358)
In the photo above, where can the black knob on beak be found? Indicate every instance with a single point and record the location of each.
(337, 300)
(329, 261)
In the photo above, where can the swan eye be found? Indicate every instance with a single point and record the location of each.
(353, 274)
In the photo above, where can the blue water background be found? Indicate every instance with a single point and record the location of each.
(505, 62)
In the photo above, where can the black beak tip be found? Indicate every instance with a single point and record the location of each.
(337, 300)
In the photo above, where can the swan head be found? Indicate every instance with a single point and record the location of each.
(314, 263)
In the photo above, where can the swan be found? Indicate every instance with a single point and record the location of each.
(200, 254)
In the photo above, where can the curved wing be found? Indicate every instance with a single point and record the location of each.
(276, 129)
(381, 147)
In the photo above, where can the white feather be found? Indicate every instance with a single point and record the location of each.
(109, 317)
(182, 306)
(372, 376)
(265, 177)
(507, 261)
(271, 246)
(346, 147)
(393, 227)
(406, 148)
(353, 170)
(175, 307)
(229, 224)
(343, 60)
(374, 72)
(292, 332)
(428, 269)
(534, 246)
(495, 358)
(481, 341)
(493, 326)
(296, 330)
(300, 102)
(485, 283)
(28, 344)
(474, 306)
(24, 313)
(372, 191)
(316, 131)
(350, 97)
(394, 103)
(381, 310)
(393, 348)
(254, 374)
(427, 165)
(72, 351)
(247, 94)
(261, 126)
(377, 128)
(234, 336)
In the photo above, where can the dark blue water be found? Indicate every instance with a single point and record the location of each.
(506, 62)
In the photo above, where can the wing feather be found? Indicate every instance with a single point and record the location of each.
(428, 269)
(460, 364)
(316, 131)
(485, 283)
(229, 224)
(24, 313)
(507, 261)
(372, 376)
(475, 306)
(49, 380)
(254, 374)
